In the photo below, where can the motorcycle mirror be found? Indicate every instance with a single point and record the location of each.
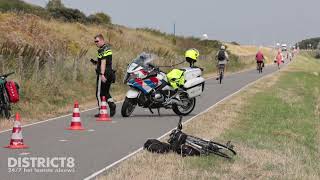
(6, 75)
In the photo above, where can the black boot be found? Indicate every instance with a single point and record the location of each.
(97, 115)
(112, 107)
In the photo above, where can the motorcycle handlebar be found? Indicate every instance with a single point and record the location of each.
(154, 67)
(6, 75)
(151, 65)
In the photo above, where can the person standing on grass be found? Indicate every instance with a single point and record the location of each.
(105, 73)
(290, 55)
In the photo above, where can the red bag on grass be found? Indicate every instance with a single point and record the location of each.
(13, 91)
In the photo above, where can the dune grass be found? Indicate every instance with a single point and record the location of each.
(62, 73)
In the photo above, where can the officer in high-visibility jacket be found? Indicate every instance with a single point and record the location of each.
(105, 73)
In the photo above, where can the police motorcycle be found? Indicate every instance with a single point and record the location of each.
(153, 89)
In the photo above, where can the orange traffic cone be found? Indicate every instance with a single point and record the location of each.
(103, 116)
(16, 141)
(76, 121)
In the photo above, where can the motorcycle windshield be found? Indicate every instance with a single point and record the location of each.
(141, 62)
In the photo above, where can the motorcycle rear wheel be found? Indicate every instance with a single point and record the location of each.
(184, 110)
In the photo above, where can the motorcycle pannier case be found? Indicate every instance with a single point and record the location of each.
(194, 87)
(12, 91)
(191, 73)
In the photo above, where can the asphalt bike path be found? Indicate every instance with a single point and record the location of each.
(104, 143)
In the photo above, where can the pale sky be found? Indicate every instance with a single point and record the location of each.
(260, 22)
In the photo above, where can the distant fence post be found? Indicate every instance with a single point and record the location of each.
(36, 68)
(50, 67)
(77, 63)
(2, 63)
(75, 68)
(20, 68)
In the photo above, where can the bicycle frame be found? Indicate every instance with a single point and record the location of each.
(204, 146)
(260, 66)
(221, 72)
(199, 145)
(221, 67)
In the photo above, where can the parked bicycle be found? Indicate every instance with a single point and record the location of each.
(204, 147)
(9, 93)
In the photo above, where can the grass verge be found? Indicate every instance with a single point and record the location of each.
(274, 125)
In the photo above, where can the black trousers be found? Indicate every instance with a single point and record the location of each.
(103, 89)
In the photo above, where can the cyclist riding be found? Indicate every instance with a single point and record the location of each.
(222, 58)
(259, 59)
(192, 56)
(279, 59)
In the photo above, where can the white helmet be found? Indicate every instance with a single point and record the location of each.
(223, 47)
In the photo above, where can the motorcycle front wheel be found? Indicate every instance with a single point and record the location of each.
(128, 107)
(185, 109)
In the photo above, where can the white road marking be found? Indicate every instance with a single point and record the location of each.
(63, 140)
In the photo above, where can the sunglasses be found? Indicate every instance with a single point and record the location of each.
(96, 41)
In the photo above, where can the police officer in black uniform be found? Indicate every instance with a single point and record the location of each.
(105, 73)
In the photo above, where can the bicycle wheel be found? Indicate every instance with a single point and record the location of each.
(221, 69)
(208, 147)
(260, 67)
(6, 106)
(221, 150)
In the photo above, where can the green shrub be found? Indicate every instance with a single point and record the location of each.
(54, 4)
(235, 43)
(54, 9)
(68, 15)
(153, 31)
(20, 6)
(211, 43)
(99, 18)
(304, 44)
